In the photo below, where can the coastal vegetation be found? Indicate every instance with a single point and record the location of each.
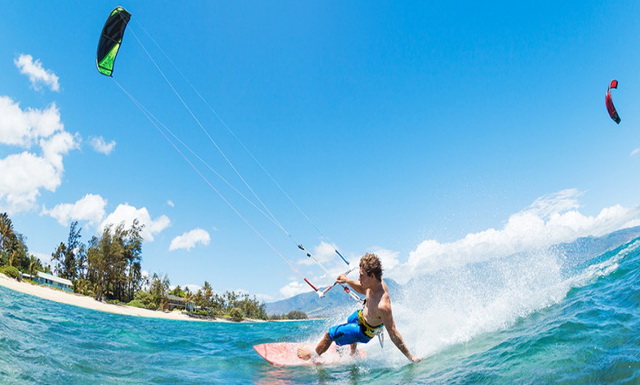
(11, 272)
(14, 251)
(292, 315)
(109, 268)
(223, 305)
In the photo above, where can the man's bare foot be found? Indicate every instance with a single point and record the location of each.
(304, 354)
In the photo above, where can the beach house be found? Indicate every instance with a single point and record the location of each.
(53, 281)
(175, 302)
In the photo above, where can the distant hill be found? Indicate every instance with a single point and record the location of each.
(582, 249)
(589, 247)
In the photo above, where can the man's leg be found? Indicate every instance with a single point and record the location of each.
(322, 347)
(354, 347)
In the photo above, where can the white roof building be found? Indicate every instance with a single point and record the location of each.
(53, 278)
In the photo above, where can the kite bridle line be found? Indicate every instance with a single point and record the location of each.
(264, 210)
(161, 128)
(156, 123)
(230, 131)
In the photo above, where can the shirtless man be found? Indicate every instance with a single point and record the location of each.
(363, 325)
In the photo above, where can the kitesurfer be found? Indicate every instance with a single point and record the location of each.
(366, 323)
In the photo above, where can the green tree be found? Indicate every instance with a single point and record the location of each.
(198, 299)
(83, 286)
(105, 261)
(178, 292)
(250, 306)
(132, 246)
(296, 314)
(207, 293)
(34, 266)
(236, 314)
(230, 300)
(6, 232)
(218, 304)
(144, 300)
(11, 272)
(58, 257)
(159, 288)
(13, 250)
(70, 258)
(188, 295)
(114, 262)
(17, 252)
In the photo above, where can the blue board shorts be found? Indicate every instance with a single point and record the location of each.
(349, 332)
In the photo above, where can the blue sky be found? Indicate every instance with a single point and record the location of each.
(432, 133)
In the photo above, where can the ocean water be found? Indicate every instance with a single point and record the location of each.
(539, 318)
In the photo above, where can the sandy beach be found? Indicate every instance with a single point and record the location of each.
(90, 303)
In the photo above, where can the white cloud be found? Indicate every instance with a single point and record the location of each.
(560, 201)
(192, 288)
(44, 258)
(550, 220)
(99, 145)
(190, 239)
(171, 204)
(294, 288)
(264, 297)
(635, 152)
(388, 258)
(23, 176)
(126, 214)
(36, 73)
(26, 173)
(90, 208)
(24, 128)
(57, 145)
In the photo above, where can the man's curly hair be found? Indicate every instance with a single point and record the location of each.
(370, 263)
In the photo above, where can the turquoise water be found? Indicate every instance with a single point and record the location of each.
(531, 319)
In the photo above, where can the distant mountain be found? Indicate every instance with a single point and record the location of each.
(589, 247)
(581, 249)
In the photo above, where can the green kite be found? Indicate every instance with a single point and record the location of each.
(110, 40)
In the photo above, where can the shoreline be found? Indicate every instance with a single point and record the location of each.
(92, 304)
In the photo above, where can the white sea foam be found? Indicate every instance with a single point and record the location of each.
(487, 281)
(455, 305)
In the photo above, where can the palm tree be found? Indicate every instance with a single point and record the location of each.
(16, 250)
(12, 250)
(6, 230)
(34, 263)
(207, 293)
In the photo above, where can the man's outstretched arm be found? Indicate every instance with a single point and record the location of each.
(396, 337)
(355, 285)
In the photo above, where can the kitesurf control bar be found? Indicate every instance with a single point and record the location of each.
(310, 284)
(322, 293)
(345, 261)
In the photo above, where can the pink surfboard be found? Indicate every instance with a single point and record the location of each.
(285, 354)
